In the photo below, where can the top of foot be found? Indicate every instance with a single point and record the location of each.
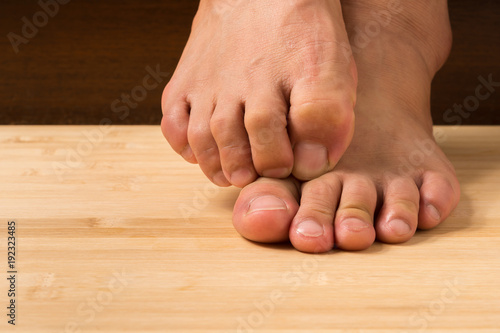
(393, 178)
(263, 88)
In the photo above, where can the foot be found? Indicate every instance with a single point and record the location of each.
(264, 87)
(393, 178)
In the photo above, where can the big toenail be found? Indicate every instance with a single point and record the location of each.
(241, 177)
(310, 228)
(399, 227)
(354, 225)
(434, 212)
(266, 203)
(276, 173)
(220, 179)
(310, 158)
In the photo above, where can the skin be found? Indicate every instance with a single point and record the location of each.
(265, 94)
(393, 179)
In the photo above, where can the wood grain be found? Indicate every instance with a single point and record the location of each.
(129, 237)
(92, 51)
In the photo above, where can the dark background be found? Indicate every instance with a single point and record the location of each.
(91, 52)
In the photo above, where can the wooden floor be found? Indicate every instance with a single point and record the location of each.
(115, 233)
(91, 52)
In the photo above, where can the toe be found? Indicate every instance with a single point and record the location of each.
(321, 127)
(174, 124)
(354, 219)
(203, 144)
(439, 195)
(312, 228)
(398, 217)
(231, 137)
(266, 124)
(265, 209)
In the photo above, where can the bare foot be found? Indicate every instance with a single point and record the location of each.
(393, 178)
(263, 87)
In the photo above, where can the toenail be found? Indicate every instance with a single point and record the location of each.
(399, 227)
(241, 177)
(354, 224)
(311, 157)
(187, 153)
(434, 212)
(266, 203)
(276, 173)
(310, 228)
(219, 179)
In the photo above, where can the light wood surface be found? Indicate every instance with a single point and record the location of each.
(116, 233)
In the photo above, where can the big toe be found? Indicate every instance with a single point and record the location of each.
(265, 209)
(321, 126)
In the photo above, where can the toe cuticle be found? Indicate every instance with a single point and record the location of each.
(266, 203)
(310, 228)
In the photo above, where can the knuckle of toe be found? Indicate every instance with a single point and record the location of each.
(217, 125)
(321, 205)
(321, 192)
(408, 206)
(236, 151)
(256, 121)
(359, 211)
(207, 152)
(322, 210)
(198, 134)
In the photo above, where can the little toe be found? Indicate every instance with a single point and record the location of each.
(229, 132)
(174, 124)
(265, 209)
(266, 124)
(203, 144)
(398, 217)
(354, 218)
(312, 228)
(321, 127)
(439, 195)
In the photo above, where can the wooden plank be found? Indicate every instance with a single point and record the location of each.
(131, 238)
